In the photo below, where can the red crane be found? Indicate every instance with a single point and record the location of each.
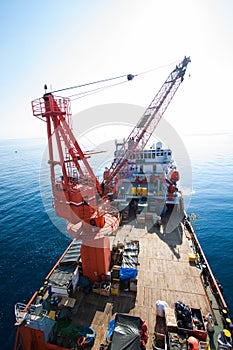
(146, 125)
(77, 193)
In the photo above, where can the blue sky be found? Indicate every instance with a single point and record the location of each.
(65, 43)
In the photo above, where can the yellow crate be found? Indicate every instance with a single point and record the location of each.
(52, 314)
(192, 257)
(115, 286)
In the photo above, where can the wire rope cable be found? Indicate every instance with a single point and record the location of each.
(128, 77)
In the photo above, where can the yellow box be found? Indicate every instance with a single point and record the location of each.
(52, 314)
(192, 257)
(115, 286)
(134, 191)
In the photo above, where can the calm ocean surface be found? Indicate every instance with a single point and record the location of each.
(30, 243)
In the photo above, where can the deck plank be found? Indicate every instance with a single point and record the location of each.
(164, 274)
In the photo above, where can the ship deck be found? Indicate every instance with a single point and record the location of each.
(164, 273)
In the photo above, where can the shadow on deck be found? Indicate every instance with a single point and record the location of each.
(170, 232)
(88, 305)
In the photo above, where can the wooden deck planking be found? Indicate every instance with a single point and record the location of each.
(164, 274)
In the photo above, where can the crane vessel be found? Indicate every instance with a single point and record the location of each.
(134, 275)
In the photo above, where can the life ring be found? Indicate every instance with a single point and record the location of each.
(81, 341)
(193, 343)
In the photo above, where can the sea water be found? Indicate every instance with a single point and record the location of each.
(31, 238)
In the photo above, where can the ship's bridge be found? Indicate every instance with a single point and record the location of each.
(155, 154)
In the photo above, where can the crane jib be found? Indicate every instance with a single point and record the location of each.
(147, 123)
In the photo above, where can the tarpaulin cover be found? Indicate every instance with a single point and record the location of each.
(111, 326)
(130, 255)
(62, 276)
(126, 273)
(126, 335)
(73, 254)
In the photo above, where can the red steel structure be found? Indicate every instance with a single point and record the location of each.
(77, 193)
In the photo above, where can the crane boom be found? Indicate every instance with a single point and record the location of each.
(142, 132)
